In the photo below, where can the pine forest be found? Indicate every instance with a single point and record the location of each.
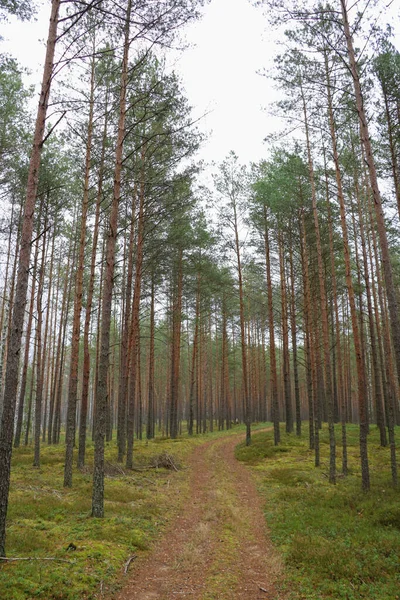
(200, 361)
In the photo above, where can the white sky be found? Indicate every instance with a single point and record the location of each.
(218, 72)
(232, 41)
(220, 76)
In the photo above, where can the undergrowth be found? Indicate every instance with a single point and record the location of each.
(337, 541)
(46, 520)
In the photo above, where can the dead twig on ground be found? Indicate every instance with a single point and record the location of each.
(128, 562)
(166, 461)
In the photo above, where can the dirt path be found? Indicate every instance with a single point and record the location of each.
(218, 548)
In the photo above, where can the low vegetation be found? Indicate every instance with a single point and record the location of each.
(49, 521)
(89, 556)
(337, 541)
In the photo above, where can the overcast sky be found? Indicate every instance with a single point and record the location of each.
(219, 73)
(231, 43)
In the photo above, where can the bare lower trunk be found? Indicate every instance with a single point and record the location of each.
(11, 381)
(101, 399)
(176, 344)
(76, 323)
(18, 430)
(271, 326)
(287, 388)
(324, 310)
(369, 158)
(88, 314)
(362, 388)
(150, 407)
(194, 358)
(40, 351)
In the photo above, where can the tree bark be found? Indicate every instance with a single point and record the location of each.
(369, 158)
(12, 369)
(101, 399)
(76, 323)
(324, 311)
(271, 327)
(362, 388)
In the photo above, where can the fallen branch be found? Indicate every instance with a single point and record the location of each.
(112, 469)
(36, 558)
(165, 461)
(128, 562)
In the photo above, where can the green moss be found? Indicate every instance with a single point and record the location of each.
(337, 541)
(44, 519)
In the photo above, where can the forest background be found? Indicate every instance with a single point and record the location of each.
(140, 297)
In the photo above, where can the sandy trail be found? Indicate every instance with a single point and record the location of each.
(218, 547)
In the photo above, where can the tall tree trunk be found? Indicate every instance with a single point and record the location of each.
(20, 416)
(245, 383)
(324, 311)
(271, 327)
(76, 322)
(362, 388)
(11, 381)
(176, 347)
(101, 399)
(89, 302)
(293, 328)
(134, 332)
(287, 388)
(150, 406)
(40, 352)
(194, 358)
(47, 345)
(307, 328)
(369, 158)
(125, 339)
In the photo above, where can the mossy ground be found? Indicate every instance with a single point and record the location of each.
(337, 541)
(44, 519)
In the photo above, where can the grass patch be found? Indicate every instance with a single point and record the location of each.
(337, 542)
(44, 519)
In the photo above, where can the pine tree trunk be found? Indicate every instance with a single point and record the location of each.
(324, 311)
(89, 303)
(362, 388)
(369, 158)
(39, 352)
(47, 345)
(101, 398)
(12, 370)
(20, 416)
(307, 329)
(76, 322)
(150, 406)
(176, 343)
(63, 329)
(287, 391)
(271, 327)
(293, 328)
(194, 358)
(245, 385)
(133, 344)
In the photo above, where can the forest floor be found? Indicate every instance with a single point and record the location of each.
(229, 522)
(218, 547)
